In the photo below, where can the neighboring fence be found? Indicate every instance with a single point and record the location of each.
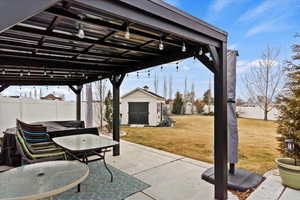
(251, 112)
(31, 110)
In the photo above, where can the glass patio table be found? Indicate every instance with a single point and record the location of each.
(41, 180)
(80, 147)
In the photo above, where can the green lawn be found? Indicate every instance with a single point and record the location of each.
(192, 137)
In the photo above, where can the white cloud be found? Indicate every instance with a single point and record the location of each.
(219, 5)
(244, 65)
(266, 27)
(175, 3)
(259, 10)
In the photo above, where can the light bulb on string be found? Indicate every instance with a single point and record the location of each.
(161, 45)
(3, 72)
(183, 47)
(28, 73)
(21, 74)
(81, 33)
(83, 75)
(200, 51)
(66, 76)
(45, 73)
(86, 77)
(127, 33)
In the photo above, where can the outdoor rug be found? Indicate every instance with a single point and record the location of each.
(97, 185)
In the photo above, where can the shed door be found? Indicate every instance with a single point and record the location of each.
(138, 112)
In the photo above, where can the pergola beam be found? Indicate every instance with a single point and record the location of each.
(130, 14)
(49, 62)
(57, 35)
(26, 46)
(114, 27)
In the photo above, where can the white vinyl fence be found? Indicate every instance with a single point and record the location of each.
(30, 110)
(251, 112)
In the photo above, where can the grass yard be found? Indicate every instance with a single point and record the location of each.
(192, 137)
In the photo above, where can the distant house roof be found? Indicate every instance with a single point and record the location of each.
(51, 97)
(146, 92)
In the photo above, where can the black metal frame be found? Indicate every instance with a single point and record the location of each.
(83, 157)
(41, 38)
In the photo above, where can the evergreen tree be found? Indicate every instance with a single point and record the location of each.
(108, 111)
(178, 103)
(289, 107)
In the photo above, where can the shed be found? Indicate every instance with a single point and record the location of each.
(143, 107)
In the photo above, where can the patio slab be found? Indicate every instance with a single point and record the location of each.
(272, 189)
(171, 176)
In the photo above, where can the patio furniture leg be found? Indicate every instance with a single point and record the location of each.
(78, 188)
(111, 175)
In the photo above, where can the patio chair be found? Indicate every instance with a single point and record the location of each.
(35, 145)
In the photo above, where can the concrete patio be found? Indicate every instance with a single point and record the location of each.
(175, 177)
(171, 176)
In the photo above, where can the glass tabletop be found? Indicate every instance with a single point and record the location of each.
(84, 142)
(41, 180)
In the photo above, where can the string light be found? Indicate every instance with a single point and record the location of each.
(81, 33)
(183, 47)
(82, 75)
(200, 51)
(161, 45)
(86, 77)
(66, 76)
(70, 75)
(45, 73)
(51, 75)
(3, 72)
(28, 73)
(21, 74)
(127, 33)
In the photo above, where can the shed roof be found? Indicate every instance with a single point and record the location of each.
(147, 92)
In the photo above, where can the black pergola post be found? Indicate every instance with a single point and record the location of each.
(220, 124)
(78, 102)
(116, 81)
(77, 92)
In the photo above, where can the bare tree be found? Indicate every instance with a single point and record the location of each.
(156, 83)
(170, 86)
(263, 82)
(100, 91)
(165, 88)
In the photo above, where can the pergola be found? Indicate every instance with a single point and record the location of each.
(73, 42)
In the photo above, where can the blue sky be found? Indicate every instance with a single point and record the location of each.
(251, 26)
